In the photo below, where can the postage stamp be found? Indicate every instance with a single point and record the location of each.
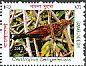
(42, 33)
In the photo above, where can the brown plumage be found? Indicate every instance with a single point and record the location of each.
(43, 31)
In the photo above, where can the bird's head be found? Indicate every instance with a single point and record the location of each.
(65, 22)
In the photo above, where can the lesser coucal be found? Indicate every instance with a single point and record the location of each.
(43, 31)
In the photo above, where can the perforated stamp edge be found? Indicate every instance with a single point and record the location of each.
(77, 5)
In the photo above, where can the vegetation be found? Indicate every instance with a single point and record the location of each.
(23, 21)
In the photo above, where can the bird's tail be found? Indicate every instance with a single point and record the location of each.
(17, 36)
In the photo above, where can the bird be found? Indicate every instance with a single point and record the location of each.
(43, 31)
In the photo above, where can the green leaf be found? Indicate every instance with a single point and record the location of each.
(61, 46)
(45, 21)
(45, 48)
(19, 19)
(73, 49)
(34, 19)
(45, 45)
(18, 54)
(18, 28)
(57, 13)
(19, 41)
(61, 14)
(14, 23)
(47, 53)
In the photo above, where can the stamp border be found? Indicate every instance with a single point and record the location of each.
(46, 65)
(44, 1)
